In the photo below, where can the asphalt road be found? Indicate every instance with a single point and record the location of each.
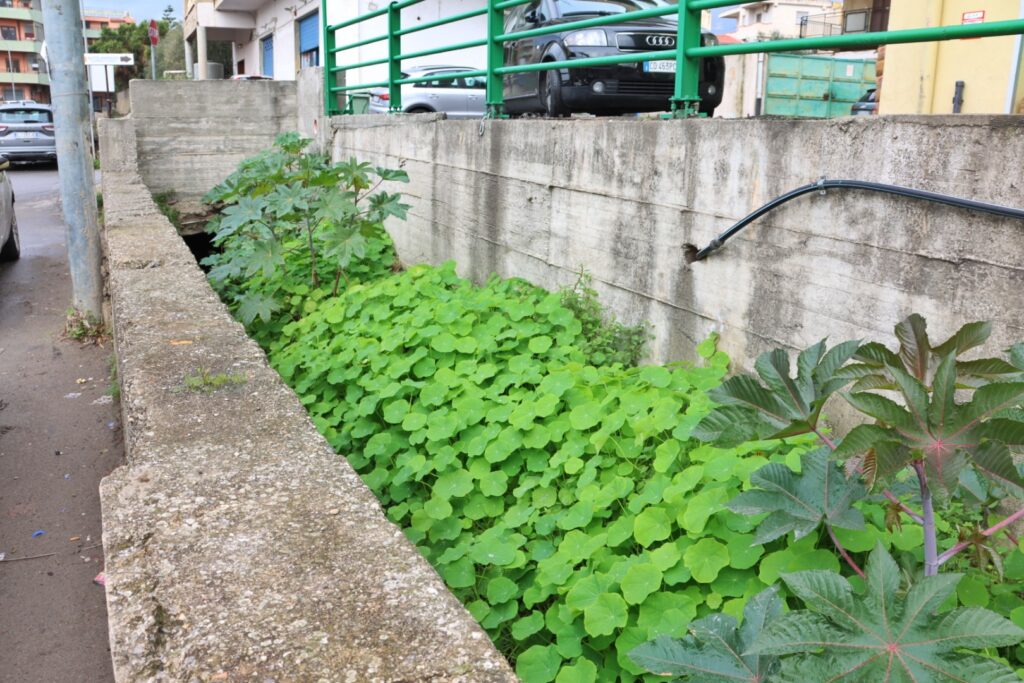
(59, 435)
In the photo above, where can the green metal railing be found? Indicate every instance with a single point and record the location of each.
(685, 100)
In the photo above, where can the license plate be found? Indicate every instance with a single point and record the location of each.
(26, 136)
(664, 66)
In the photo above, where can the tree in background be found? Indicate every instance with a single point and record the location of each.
(133, 38)
(170, 51)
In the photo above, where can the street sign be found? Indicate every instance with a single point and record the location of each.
(154, 32)
(109, 59)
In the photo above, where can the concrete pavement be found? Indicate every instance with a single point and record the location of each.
(59, 434)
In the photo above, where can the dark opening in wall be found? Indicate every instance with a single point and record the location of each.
(201, 246)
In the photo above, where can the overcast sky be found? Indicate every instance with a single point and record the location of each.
(140, 9)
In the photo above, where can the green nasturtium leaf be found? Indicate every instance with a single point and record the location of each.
(651, 525)
(608, 613)
(705, 559)
(539, 664)
(640, 581)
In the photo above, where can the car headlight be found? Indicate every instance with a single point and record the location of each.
(588, 38)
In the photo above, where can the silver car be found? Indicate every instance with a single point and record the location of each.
(461, 97)
(26, 132)
(10, 246)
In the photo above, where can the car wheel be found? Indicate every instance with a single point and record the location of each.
(419, 110)
(552, 96)
(12, 248)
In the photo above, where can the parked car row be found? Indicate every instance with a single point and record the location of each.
(615, 89)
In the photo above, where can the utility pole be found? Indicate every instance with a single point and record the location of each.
(65, 51)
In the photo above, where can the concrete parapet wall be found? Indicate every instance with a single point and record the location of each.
(622, 198)
(238, 546)
(191, 134)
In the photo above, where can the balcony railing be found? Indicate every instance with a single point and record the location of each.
(840, 23)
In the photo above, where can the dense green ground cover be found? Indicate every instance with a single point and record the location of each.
(560, 496)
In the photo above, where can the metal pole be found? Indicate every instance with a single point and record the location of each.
(71, 119)
(152, 59)
(495, 59)
(394, 64)
(685, 100)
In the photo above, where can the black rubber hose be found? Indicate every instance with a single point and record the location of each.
(823, 184)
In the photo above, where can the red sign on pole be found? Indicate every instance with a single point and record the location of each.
(154, 32)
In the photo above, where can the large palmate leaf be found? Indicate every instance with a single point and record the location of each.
(934, 428)
(783, 405)
(714, 652)
(800, 502)
(917, 357)
(884, 635)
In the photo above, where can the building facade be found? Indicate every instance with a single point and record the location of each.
(922, 78)
(774, 18)
(272, 38)
(276, 38)
(22, 69)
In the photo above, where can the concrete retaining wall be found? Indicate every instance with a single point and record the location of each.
(238, 546)
(191, 134)
(621, 198)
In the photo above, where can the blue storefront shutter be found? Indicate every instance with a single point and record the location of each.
(268, 56)
(309, 32)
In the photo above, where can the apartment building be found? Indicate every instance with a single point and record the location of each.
(95, 20)
(22, 70)
(272, 38)
(774, 18)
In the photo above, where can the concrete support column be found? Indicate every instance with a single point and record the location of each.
(201, 49)
(234, 58)
(188, 58)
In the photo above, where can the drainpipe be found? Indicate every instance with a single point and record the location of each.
(201, 48)
(234, 57)
(958, 97)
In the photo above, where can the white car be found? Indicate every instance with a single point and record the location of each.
(10, 245)
(461, 97)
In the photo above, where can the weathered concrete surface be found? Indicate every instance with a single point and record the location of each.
(191, 134)
(622, 198)
(239, 546)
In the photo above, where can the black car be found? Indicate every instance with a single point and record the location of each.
(615, 89)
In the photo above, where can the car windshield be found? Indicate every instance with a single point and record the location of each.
(577, 7)
(26, 116)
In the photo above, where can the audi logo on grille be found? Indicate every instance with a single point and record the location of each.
(661, 41)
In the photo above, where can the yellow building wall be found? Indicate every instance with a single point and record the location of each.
(920, 78)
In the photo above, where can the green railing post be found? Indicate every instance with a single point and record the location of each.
(394, 64)
(686, 98)
(495, 59)
(330, 59)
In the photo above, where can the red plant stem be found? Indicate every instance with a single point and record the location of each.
(931, 551)
(994, 529)
(887, 493)
(910, 513)
(827, 441)
(842, 551)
